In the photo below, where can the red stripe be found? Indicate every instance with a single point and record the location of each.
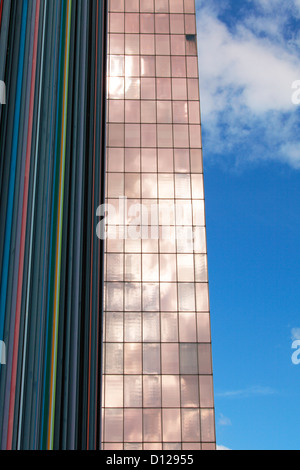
(1, 8)
(23, 236)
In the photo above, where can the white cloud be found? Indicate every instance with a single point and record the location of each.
(295, 334)
(254, 391)
(246, 75)
(222, 448)
(224, 421)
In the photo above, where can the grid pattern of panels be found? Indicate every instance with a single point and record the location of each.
(157, 387)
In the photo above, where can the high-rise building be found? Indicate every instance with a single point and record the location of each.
(104, 304)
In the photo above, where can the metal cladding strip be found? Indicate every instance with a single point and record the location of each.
(23, 199)
(9, 214)
(52, 131)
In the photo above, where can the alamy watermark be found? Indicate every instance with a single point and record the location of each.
(2, 353)
(296, 94)
(124, 219)
(2, 92)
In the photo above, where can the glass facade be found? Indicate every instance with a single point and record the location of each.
(157, 364)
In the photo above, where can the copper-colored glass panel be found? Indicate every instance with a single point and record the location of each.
(179, 89)
(132, 66)
(112, 446)
(163, 88)
(166, 186)
(132, 267)
(163, 66)
(190, 425)
(132, 46)
(114, 391)
(114, 267)
(147, 44)
(170, 391)
(185, 265)
(204, 358)
(180, 112)
(114, 358)
(162, 24)
(132, 5)
(132, 23)
(161, 5)
(196, 161)
(148, 88)
(192, 67)
(164, 135)
(201, 273)
(188, 359)
(178, 66)
(193, 89)
(149, 160)
(177, 24)
(182, 186)
(114, 327)
(170, 446)
(133, 328)
(191, 446)
(190, 391)
(116, 5)
(152, 425)
(198, 213)
(116, 22)
(114, 299)
(194, 112)
(147, 22)
(178, 45)
(166, 216)
(132, 297)
(151, 327)
(133, 425)
(207, 426)
(165, 160)
(148, 135)
(132, 135)
(133, 391)
(116, 66)
(169, 327)
(203, 327)
(155, 446)
(171, 425)
(151, 358)
(150, 267)
(190, 24)
(148, 111)
(182, 160)
(147, 6)
(132, 111)
(162, 44)
(202, 297)
(132, 160)
(113, 425)
(206, 391)
(189, 6)
(181, 135)
(132, 185)
(132, 88)
(149, 186)
(150, 297)
(164, 112)
(176, 6)
(115, 159)
(116, 135)
(195, 136)
(168, 267)
(116, 88)
(170, 358)
(152, 391)
(132, 358)
(187, 327)
(168, 297)
(116, 43)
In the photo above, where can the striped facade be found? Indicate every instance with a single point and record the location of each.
(52, 140)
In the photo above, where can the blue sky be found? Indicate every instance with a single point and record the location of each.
(249, 54)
